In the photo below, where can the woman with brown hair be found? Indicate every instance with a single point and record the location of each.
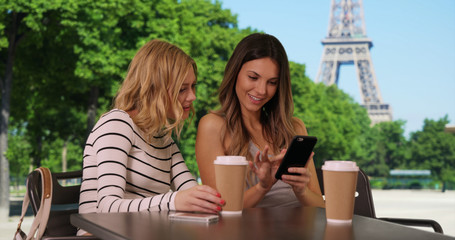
(130, 161)
(255, 119)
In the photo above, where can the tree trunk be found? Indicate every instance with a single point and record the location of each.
(64, 161)
(38, 152)
(92, 107)
(6, 88)
(64, 152)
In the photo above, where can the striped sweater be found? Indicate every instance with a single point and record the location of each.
(124, 173)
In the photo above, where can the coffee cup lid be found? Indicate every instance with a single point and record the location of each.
(348, 166)
(231, 160)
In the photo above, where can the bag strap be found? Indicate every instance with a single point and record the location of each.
(42, 216)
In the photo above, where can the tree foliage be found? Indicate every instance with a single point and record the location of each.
(73, 54)
(381, 148)
(434, 149)
(328, 113)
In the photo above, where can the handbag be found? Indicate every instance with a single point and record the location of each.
(42, 216)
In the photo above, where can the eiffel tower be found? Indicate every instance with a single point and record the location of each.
(347, 43)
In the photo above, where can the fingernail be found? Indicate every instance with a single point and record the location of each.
(218, 194)
(222, 202)
(218, 208)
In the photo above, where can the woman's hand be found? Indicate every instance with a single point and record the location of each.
(300, 181)
(200, 198)
(265, 168)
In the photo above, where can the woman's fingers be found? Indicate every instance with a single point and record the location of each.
(277, 159)
(265, 154)
(207, 189)
(199, 198)
(207, 197)
(202, 205)
(257, 158)
(280, 156)
(302, 178)
(300, 171)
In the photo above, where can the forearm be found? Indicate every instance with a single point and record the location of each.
(310, 198)
(165, 201)
(253, 196)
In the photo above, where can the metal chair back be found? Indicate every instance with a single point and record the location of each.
(364, 205)
(65, 201)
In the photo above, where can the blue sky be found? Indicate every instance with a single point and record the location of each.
(413, 49)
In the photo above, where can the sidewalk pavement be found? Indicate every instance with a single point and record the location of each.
(7, 229)
(423, 204)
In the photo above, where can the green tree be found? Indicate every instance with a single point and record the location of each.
(19, 154)
(394, 143)
(434, 149)
(49, 102)
(328, 113)
(202, 28)
(209, 34)
(381, 148)
(75, 54)
(19, 20)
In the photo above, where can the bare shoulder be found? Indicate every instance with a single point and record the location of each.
(211, 122)
(299, 126)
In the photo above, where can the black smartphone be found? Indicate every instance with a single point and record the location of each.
(297, 154)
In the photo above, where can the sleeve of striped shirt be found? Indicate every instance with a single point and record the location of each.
(181, 178)
(112, 147)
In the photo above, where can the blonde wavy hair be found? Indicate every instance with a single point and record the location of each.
(152, 85)
(276, 115)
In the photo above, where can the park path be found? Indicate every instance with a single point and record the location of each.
(426, 204)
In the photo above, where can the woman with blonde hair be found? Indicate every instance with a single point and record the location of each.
(130, 161)
(255, 119)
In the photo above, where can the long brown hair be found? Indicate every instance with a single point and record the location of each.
(152, 85)
(276, 115)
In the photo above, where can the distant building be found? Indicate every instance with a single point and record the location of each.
(410, 178)
(410, 172)
(449, 128)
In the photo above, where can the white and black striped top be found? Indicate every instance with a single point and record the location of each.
(124, 173)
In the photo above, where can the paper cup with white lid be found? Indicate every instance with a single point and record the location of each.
(340, 182)
(230, 175)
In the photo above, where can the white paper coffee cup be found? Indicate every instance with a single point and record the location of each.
(340, 181)
(230, 175)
